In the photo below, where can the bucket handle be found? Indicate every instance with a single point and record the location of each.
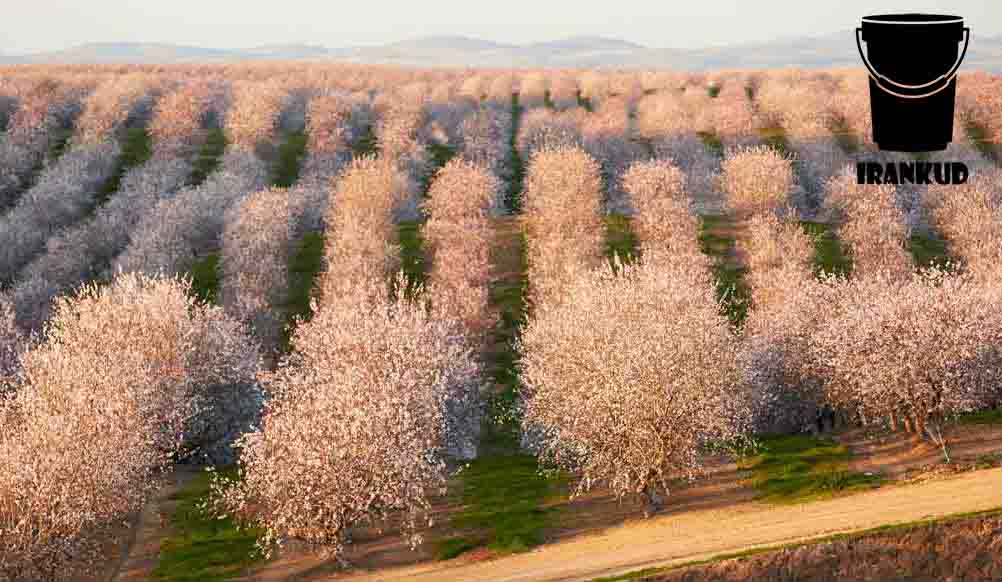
(948, 76)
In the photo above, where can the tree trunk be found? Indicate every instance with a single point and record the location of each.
(653, 502)
(828, 420)
(892, 419)
(919, 428)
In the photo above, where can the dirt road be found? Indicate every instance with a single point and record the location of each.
(703, 534)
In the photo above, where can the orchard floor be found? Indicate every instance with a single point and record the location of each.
(151, 527)
(595, 535)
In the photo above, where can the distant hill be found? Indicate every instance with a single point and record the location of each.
(832, 50)
(126, 52)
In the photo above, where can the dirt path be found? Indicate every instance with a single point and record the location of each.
(144, 550)
(702, 534)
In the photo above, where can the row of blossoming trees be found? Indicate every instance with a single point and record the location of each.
(628, 371)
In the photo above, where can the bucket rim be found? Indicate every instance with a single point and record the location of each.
(913, 19)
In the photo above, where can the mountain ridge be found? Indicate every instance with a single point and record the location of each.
(827, 50)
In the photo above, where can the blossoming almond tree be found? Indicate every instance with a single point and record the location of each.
(44, 109)
(357, 430)
(608, 397)
(663, 218)
(544, 129)
(970, 217)
(458, 237)
(117, 387)
(364, 253)
(788, 307)
(563, 196)
(257, 246)
(79, 253)
(758, 181)
(484, 136)
(923, 350)
(872, 226)
(66, 190)
(180, 230)
(607, 137)
(11, 344)
(376, 396)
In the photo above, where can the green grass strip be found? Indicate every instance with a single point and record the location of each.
(289, 157)
(929, 251)
(799, 468)
(982, 141)
(510, 299)
(441, 154)
(412, 259)
(775, 138)
(732, 290)
(209, 157)
(502, 497)
(366, 144)
(513, 197)
(304, 268)
(712, 142)
(989, 417)
(548, 100)
(202, 548)
(828, 256)
(205, 278)
(137, 148)
(620, 240)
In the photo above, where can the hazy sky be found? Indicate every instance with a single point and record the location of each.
(36, 25)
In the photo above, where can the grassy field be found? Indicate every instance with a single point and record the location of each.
(288, 159)
(208, 158)
(730, 275)
(205, 278)
(513, 197)
(620, 240)
(929, 251)
(799, 468)
(983, 417)
(137, 148)
(202, 548)
(712, 142)
(775, 137)
(828, 256)
(304, 268)
(502, 499)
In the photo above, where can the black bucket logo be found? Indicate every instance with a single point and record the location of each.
(913, 61)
